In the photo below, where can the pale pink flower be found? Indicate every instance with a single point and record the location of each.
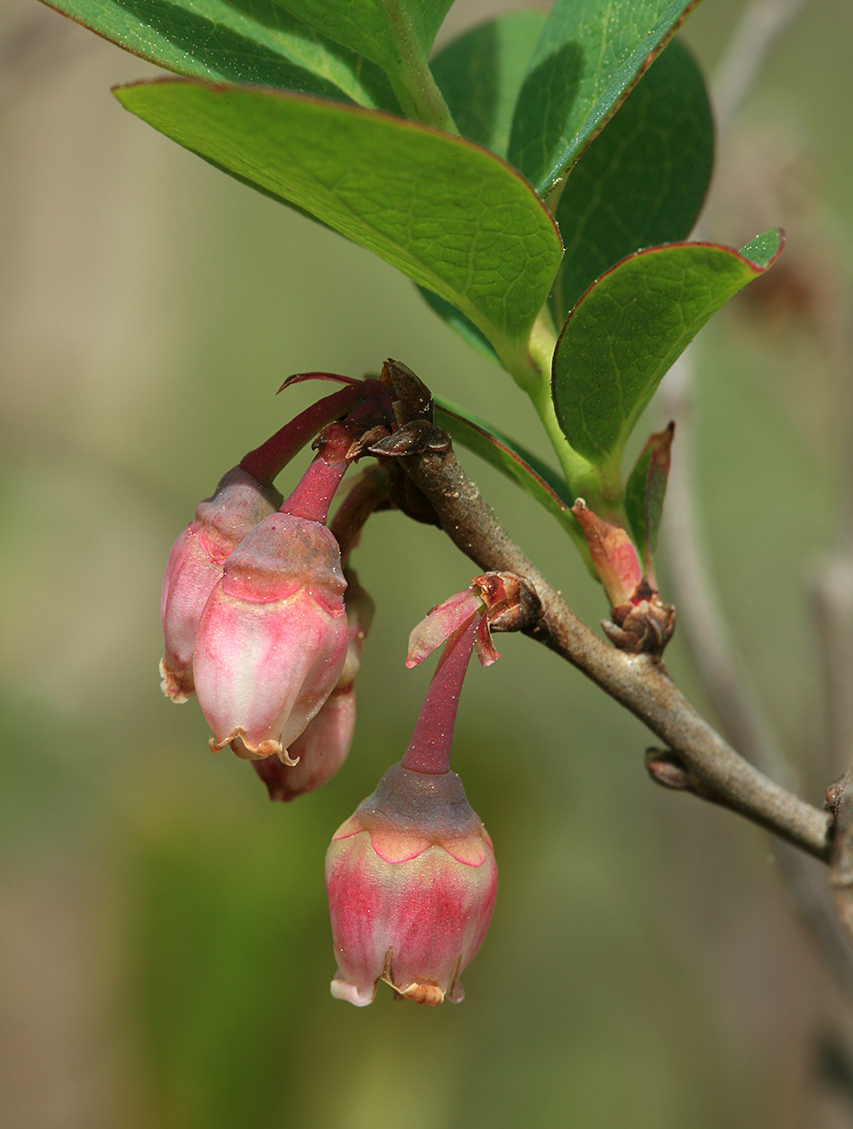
(412, 881)
(272, 639)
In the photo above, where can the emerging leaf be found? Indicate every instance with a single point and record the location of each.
(644, 495)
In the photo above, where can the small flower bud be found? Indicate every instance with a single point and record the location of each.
(272, 639)
(641, 622)
(412, 880)
(613, 555)
(195, 566)
(324, 744)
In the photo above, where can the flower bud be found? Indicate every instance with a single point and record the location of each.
(641, 622)
(325, 743)
(412, 880)
(272, 638)
(613, 555)
(195, 566)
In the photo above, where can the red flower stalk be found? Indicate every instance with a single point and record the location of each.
(429, 748)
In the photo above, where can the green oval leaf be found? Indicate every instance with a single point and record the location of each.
(642, 181)
(589, 56)
(524, 468)
(630, 327)
(481, 72)
(449, 214)
(254, 41)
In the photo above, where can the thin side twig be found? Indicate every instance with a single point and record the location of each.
(638, 682)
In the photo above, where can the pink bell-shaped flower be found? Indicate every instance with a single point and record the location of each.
(325, 742)
(411, 876)
(195, 567)
(272, 639)
(412, 881)
(244, 497)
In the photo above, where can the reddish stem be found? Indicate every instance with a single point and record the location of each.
(429, 748)
(268, 460)
(314, 491)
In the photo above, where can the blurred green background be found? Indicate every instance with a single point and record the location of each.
(164, 944)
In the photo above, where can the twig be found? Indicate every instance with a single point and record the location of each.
(639, 682)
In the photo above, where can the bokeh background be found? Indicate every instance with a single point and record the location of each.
(164, 943)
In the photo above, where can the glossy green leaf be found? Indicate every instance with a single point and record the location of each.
(630, 327)
(396, 34)
(481, 72)
(588, 57)
(511, 459)
(644, 494)
(242, 41)
(450, 215)
(642, 181)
